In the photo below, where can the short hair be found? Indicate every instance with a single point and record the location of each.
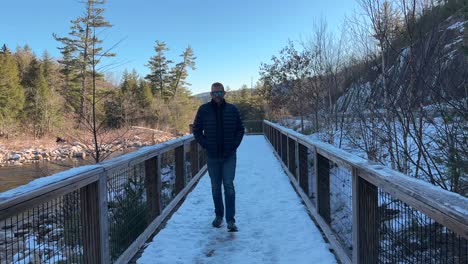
(217, 85)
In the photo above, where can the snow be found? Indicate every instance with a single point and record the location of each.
(458, 25)
(274, 226)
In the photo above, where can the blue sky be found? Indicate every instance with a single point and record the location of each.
(230, 38)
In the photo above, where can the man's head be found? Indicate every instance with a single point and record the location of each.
(217, 92)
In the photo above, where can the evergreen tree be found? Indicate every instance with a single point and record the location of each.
(37, 107)
(86, 53)
(144, 94)
(50, 71)
(160, 77)
(54, 102)
(23, 56)
(179, 73)
(129, 100)
(70, 89)
(81, 49)
(5, 49)
(11, 92)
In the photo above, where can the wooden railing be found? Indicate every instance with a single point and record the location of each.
(368, 212)
(100, 213)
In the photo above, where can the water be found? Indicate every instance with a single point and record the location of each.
(14, 176)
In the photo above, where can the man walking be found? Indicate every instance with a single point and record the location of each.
(219, 129)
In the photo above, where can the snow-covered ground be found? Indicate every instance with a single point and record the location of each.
(274, 226)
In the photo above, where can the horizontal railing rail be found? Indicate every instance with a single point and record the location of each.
(99, 213)
(371, 213)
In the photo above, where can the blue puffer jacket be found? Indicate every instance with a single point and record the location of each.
(218, 129)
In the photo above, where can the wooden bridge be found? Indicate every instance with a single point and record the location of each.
(106, 213)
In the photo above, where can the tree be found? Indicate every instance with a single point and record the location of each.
(37, 108)
(128, 90)
(144, 94)
(179, 73)
(84, 52)
(23, 56)
(249, 103)
(71, 86)
(11, 92)
(55, 102)
(384, 21)
(290, 73)
(159, 75)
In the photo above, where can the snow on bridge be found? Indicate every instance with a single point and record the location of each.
(274, 226)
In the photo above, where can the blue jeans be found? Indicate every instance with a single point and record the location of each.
(222, 171)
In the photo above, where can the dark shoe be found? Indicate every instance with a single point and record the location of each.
(231, 226)
(217, 222)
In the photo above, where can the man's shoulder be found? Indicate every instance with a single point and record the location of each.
(231, 106)
(204, 106)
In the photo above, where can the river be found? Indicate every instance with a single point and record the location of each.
(14, 176)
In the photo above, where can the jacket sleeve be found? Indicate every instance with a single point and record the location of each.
(198, 128)
(239, 129)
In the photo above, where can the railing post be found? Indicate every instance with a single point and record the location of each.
(303, 167)
(104, 219)
(284, 148)
(365, 224)
(292, 157)
(194, 157)
(277, 141)
(296, 162)
(288, 154)
(270, 134)
(322, 171)
(90, 219)
(179, 168)
(153, 187)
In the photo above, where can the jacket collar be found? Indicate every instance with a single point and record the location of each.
(215, 105)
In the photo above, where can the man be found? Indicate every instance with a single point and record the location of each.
(219, 129)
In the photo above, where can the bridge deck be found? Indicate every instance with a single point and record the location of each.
(274, 226)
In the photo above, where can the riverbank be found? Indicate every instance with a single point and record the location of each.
(19, 151)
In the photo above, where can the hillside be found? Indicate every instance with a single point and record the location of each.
(419, 74)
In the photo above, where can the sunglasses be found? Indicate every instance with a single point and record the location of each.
(217, 93)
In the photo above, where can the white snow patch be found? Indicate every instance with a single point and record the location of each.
(458, 25)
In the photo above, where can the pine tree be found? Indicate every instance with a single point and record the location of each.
(81, 49)
(179, 73)
(159, 65)
(11, 92)
(23, 56)
(70, 89)
(129, 100)
(5, 49)
(38, 96)
(144, 94)
(86, 53)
